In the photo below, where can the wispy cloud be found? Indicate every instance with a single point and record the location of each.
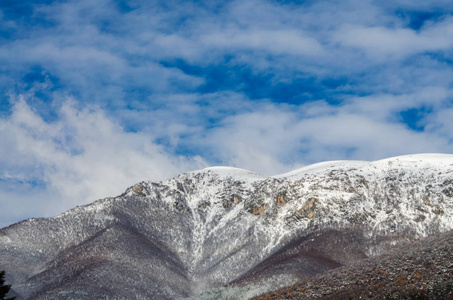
(81, 157)
(396, 43)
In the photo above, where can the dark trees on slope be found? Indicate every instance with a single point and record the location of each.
(4, 289)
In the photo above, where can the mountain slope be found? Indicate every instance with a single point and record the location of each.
(419, 270)
(218, 226)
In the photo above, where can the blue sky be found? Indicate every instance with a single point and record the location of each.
(98, 95)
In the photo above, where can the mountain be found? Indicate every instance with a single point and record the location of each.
(227, 232)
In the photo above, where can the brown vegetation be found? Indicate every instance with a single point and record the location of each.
(422, 270)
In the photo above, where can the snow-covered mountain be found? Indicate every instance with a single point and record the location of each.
(204, 230)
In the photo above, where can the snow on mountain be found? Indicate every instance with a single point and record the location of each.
(209, 228)
(237, 173)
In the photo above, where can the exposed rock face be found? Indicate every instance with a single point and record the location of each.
(210, 228)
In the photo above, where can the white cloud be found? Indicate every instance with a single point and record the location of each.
(262, 140)
(384, 42)
(440, 123)
(421, 5)
(384, 107)
(276, 138)
(93, 47)
(81, 157)
(276, 42)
